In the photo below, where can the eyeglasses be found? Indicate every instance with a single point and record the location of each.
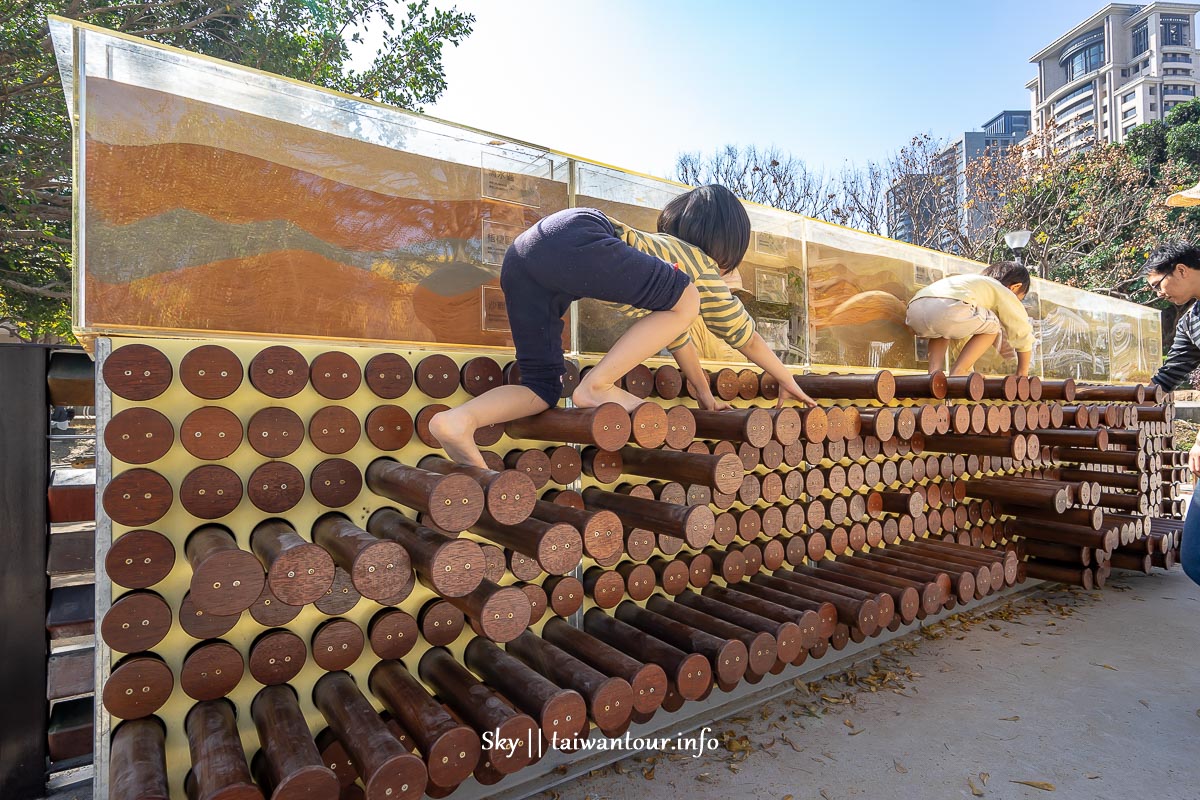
(1156, 286)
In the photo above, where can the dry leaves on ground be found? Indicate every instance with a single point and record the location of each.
(1043, 785)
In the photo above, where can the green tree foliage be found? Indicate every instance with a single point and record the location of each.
(309, 40)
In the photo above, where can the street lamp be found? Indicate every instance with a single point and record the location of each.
(1017, 241)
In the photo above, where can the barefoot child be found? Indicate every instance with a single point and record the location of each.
(665, 279)
(976, 308)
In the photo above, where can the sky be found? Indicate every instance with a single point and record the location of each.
(633, 83)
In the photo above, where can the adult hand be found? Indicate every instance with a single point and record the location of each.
(1194, 459)
(790, 390)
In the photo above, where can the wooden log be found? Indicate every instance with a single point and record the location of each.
(751, 425)
(1061, 573)
(863, 614)
(289, 764)
(225, 578)
(501, 613)
(690, 673)
(482, 710)
(508, 496)
(561, 712)
(965, 387)
(137, 765)
(609, 700)
(378, 568)
(879, 386)
(723, 473)
(1135, 459)
(453, 502)
(557, 547)
(218, 762)
(931, 595)
(451, 567)
(694, 524)
(451, 750)
(607, 426)
(648, 681)
(726, 656)
(387, 768)
(1119, 394)
(1015, 446)
(1074, 535)
(1048, 495)
(761, 647)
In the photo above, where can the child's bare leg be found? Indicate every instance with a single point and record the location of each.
(975, 347)
(455, 428)
(937, 354)
(644, 338)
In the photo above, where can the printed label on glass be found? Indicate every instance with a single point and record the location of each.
(493, 312)
(775, 332)
(923, 275)
(770, 244)
(771, 286)
(513, 180)
(496, 239)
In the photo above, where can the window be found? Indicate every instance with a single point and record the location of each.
(1153, 107)
(1141, 39)
(1125, 132)
(1083, 55)
(1153, 89)
(1174, 30)
(1181, 58)
(1124, 73)
(1125, 98)
(1127, 113)
(1136, 69)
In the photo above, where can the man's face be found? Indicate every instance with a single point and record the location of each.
(1172, 286)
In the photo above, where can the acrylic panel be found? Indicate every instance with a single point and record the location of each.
(223, 200)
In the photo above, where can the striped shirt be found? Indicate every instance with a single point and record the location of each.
(723, 313)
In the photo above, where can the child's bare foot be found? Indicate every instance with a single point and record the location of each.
(587, 395)
(457, 437)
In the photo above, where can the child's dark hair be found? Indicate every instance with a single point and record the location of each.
(1008, 273)
(1168, 255)
(711, 218)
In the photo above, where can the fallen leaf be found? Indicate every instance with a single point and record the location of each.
(1106, 666)
(648, 773)
(1009, 719)
(975, 790)
(1091, 777)
(824, 794)
(848, 723)
(983, 777)
(1143, 702)
(1043, 785)
(705, 777)
(787, 797)
(903, 770)
(857, 732)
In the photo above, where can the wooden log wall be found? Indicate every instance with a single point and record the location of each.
(327, 600)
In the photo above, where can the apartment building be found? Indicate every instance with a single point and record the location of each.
(1123, 66)
(929, 208)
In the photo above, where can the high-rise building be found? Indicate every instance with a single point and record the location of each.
(1123, 66)
(929, 208)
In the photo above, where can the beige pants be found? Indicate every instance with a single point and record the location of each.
(946, 318)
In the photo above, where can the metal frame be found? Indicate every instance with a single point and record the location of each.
(24, 590)
(103, 720)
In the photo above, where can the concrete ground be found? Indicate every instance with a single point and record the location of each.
(1085, 695)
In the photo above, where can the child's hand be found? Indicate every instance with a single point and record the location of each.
(790, 390)
(711, 403)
